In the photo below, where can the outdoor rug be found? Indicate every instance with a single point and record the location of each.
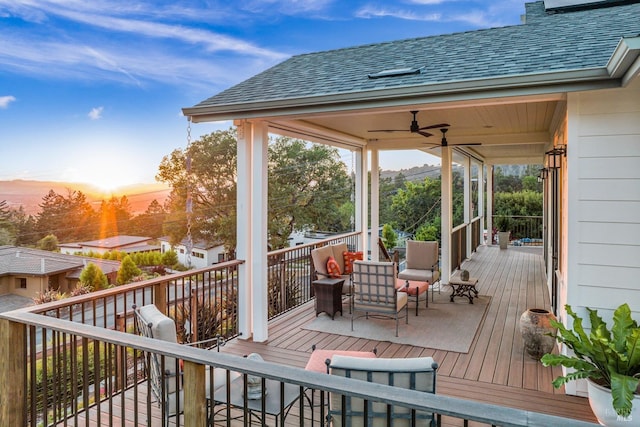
(445, 325)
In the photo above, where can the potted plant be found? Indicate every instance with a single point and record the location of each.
(504, 230)
(608, 358)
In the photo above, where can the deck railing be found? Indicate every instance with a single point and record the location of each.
(525, 230)
(82, 356)
(291, 273)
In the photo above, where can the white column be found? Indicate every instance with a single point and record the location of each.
(243, 227)
(446, 215)
(259, 232)
(490, 203)
(467, 204)
(362, 198)
(375, 204)
(481, 204)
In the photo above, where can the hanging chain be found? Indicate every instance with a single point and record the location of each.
(189, 202)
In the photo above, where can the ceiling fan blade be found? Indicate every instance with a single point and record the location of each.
(469, 143)
(389, 130)
(439, 125)
(425, 134)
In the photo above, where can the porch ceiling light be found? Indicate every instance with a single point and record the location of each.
(554, 156)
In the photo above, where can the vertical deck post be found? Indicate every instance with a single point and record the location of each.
(195, 399)
(12, 373)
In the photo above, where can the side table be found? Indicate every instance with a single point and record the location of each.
(328, 296)
(463, 288)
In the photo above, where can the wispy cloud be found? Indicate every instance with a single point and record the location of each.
(6, 100)
(96, 113)
(78, 39)
(382, 12)
(478, 14)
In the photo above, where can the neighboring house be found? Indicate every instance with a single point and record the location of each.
(27, 272)
(562, 89)
(203, 254)
(128, 244)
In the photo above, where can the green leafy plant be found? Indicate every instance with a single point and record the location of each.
(609, 357)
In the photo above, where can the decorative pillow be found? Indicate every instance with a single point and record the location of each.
(333, 268)
(349, 257)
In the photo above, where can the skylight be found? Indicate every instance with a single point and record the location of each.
(395, 72)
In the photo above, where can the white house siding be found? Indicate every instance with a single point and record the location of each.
(603, 216)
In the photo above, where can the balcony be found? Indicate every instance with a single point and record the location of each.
(95, 373)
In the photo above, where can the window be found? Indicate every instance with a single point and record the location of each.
(21, 282)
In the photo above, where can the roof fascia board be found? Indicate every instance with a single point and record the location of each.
(568, 81)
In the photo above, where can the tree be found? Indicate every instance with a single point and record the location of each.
(416, 204)
(389, 237)
(49, 243)
(150, 222)
(114, 216)
(70, 218)
(169, 258)
(127, 271)
(211, 183)
(308, 188)
(93, 278)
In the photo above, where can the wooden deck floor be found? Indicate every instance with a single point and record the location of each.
(496, 369)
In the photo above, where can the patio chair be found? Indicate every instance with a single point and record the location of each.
(375, 293)
(410, 373)
(165, 373)
(320, 257)
(422, 265)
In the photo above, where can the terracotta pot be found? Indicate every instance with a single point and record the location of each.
(601, 403)
(535, 327)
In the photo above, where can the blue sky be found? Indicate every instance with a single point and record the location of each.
(92, 91)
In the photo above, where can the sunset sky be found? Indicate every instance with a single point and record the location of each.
(92, 91)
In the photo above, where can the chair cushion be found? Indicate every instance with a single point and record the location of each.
(320, 256)
(349, 258)
(317, 360)
(419, 275)
(421, 255)
(337, 250)
(415, 287)
(382, 364)
(333, 268)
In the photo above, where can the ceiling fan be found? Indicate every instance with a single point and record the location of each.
(415, 127)
(445, 143)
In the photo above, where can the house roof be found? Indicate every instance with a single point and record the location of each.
(548, 48)
(109, 242)
(35, 262)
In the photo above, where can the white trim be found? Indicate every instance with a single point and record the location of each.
(375, 204)
(243, 227)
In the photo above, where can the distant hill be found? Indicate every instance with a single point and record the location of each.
(417, 173)
(29, 194)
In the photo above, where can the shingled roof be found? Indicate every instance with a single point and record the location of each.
(547, 43)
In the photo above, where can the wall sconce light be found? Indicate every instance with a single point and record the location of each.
(544, 173)
(554, 156)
